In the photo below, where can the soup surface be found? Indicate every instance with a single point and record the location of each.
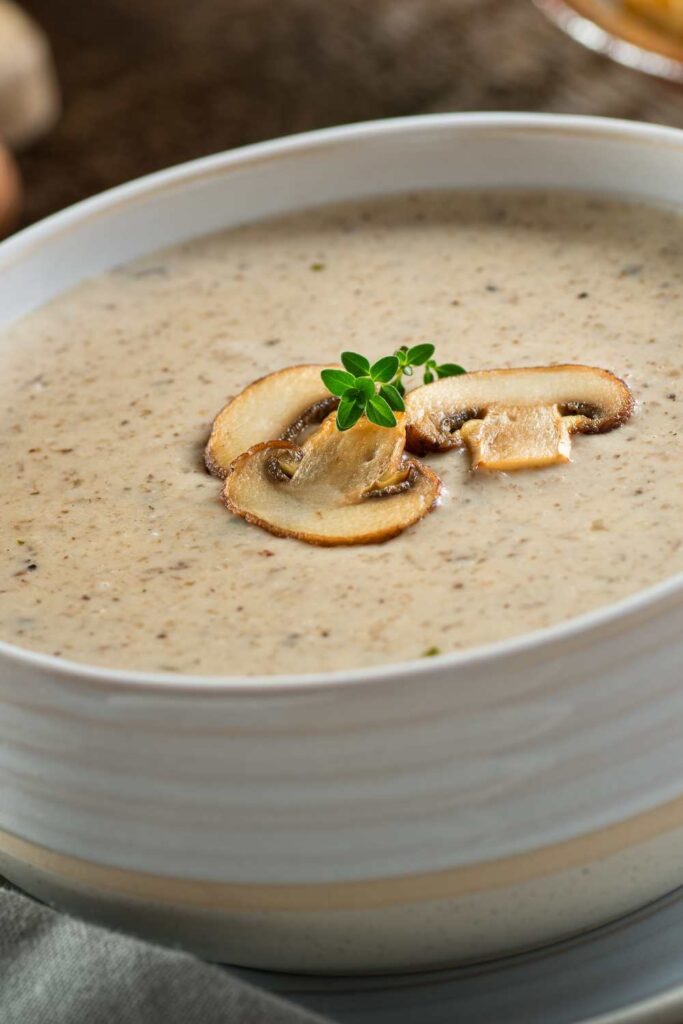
(114, 546)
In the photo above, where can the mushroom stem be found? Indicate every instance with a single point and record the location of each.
(513, 437)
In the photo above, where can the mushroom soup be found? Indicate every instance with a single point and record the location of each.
(116, 547)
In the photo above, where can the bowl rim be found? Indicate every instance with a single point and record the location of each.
(645, 600)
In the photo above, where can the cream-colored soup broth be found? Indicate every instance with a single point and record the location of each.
(115, 547)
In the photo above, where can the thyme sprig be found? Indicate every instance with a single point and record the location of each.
(376, 389)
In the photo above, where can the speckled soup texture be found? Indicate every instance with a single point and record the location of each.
(115, 547)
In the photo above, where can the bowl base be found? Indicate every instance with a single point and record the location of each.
(233, 924)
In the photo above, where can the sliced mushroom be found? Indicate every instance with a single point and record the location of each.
(340, 487)
(516, 419)
(280, 405)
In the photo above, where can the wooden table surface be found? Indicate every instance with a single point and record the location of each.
(148, 83)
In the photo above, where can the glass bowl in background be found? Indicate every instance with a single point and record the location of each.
(610, 28)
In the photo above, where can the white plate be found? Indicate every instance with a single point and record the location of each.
(629, 972)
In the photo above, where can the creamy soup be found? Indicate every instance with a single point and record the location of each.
(115, 547)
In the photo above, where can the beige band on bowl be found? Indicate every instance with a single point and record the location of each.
(450, 884)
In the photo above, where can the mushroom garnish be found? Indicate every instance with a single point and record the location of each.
(280, 405)
(340, 487)
(516, 419)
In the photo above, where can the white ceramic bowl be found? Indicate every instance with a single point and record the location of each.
(401, 817)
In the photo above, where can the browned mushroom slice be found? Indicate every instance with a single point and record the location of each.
(340, 487)
(280, 405)
(516, 419)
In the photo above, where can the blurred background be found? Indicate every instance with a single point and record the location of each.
(148, 83)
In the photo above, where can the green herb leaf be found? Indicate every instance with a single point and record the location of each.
(379, 412)
(356, 364)
(419, 354)
(365, 386)
(431, 652)
(377, 390)
(337, 381)
(449, 370)
(384, 369)
(392, 396)
(349, 412)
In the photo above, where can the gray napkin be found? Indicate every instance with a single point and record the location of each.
(57, 970)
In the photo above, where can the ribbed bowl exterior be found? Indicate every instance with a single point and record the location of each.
(399, 775)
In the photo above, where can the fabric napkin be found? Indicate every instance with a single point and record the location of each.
(55, 969)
